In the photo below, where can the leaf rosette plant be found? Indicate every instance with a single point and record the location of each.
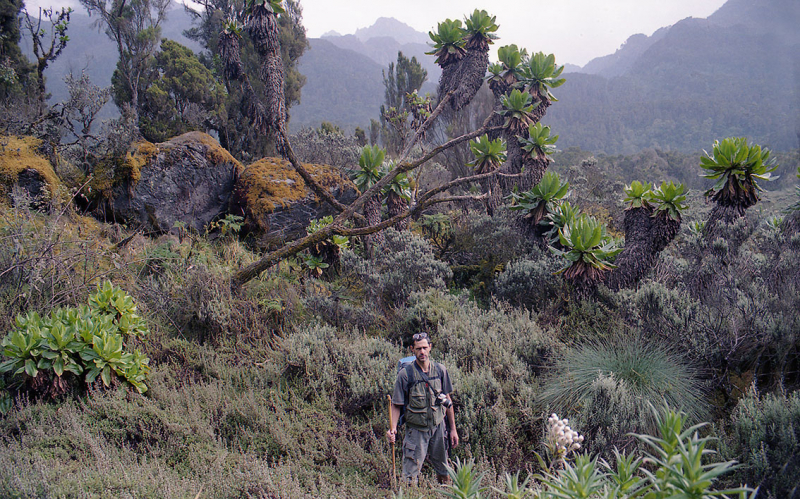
(541, 74)
(539, 143)
(542, 198)
(668, 199)
(489, 154)
(589, 250)
(88, 341)
(480, 30)
(737, 167)
(448, 42)
(637, 194)
(517, 109)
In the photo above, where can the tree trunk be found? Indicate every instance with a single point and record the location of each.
(372, 212)
(645, 237)
(638, 255)
(396, 205)
(471, 71)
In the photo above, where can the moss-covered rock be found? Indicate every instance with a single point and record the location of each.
(22, 165)
(276, 202)
(188, 179)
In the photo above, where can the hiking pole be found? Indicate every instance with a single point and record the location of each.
(394, 466)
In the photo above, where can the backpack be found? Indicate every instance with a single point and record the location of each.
(407, 363)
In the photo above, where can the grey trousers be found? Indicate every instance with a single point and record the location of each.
(417, 444)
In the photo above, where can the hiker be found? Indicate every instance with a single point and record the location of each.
(422, 390)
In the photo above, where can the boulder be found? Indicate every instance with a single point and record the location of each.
(23, 167)
(276, 203)
(188, 179)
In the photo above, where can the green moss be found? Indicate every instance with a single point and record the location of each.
(18, 154)
(272, 182)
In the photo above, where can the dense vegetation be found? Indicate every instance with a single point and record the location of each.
(593, 313)
(280, 389)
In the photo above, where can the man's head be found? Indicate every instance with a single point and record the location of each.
(421, 348)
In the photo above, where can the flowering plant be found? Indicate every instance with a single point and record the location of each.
(560, 441)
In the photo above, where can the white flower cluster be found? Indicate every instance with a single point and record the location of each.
(561, 437)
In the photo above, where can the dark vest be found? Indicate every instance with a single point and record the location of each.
(422, 412)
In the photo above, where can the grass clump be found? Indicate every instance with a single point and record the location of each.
(607, 388)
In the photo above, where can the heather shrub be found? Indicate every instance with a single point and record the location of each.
(606, 389)
(529, 282)
(319, 146)
(763, 434)
(403, 263)
(350, 368)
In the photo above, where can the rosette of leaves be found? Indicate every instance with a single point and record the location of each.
(542, 198)
(489, 154)
(537, 148)
(480, 29)
(370, 162)
(540, 75)
(448, 42)
(518, 111)
(737, 167)
(561, 214)
(636, 194)
(668, 199)
(506, 73)
(539, 143)
(88, 341)
(588, 249)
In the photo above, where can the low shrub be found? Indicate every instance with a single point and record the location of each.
(764, 434)
(90, 341)
(529, 282)
(404, 263)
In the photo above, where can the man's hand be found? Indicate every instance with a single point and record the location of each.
(391, 435)
(453, 438)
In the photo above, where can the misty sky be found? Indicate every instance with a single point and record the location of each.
(574, 30)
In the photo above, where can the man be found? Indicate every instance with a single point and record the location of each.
(424, 390)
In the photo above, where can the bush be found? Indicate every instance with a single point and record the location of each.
(404, 263)
(607, 388)
(764, 434)
(529, 282)
(86, 341)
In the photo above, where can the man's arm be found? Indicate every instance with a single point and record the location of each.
(394, 416)
(451, 418)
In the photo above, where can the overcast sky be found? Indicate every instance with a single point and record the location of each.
(576, 31)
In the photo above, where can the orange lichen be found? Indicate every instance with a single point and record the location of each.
(272, 182)
(18, 154)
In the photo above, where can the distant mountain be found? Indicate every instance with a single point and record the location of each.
(383, 40)
(392, 28)
(689, 84)
(342, 87)
(620, 62)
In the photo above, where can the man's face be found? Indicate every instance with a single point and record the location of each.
(421, 350)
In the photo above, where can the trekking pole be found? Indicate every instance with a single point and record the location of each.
(394, 466)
